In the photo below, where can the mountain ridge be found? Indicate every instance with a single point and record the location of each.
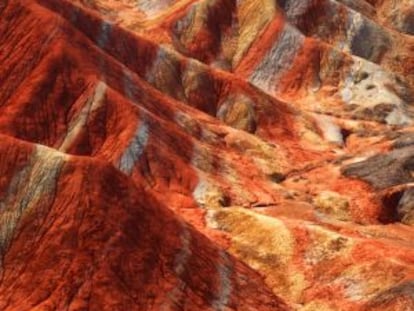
(275, 134)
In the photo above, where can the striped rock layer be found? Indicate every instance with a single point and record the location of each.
(207, 155)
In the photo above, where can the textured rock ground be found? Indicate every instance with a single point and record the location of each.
(206, 155)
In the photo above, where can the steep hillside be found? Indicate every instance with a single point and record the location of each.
(206, 155)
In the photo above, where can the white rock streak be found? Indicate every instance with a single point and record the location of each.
(34, 185)
(278, 60)
(151, 7)
(139, 141)
(224, 270)
(135, 149)
(80, 121)
(103, 38)
(295, 8)
(331, 131)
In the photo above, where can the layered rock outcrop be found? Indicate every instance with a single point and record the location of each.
(206, 155)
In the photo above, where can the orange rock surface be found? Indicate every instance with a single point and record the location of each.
(207, 155)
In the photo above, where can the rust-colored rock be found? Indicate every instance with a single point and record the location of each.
(206, 155)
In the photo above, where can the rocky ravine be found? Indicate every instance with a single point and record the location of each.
(207, 155)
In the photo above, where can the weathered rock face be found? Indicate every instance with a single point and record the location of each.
(405, 208)
(385, 170)
(206, 155)
(78, 234)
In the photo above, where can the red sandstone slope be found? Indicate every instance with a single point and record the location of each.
(77, 235)
(261, 124)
